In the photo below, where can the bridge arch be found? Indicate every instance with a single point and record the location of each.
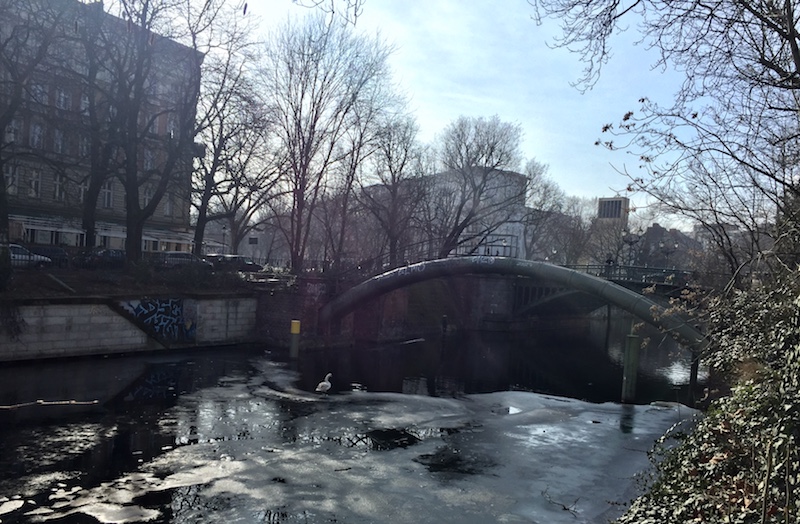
(636, 304)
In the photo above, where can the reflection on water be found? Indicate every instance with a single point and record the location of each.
(576, 361)
(149, 405)
(626, 421)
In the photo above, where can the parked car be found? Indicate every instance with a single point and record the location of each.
(58, 255)
(22, 258)
(100, 258)
(233, 263)
(177, 259)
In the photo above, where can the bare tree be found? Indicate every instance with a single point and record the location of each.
(233, 176)
(100, 127)
(395, 189)
(545, 201)
(29, 32)
(357, 145)
(150, 84)
(315, 75)
(247, 182)
(726, 151)
(478, 192)
(572, 232)
(346, 11)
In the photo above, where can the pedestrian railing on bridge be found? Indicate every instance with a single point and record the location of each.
(367, 268)
(639, 274)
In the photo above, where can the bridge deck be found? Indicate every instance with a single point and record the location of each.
(626, 299)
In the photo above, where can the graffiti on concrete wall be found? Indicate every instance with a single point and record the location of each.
(165, 318)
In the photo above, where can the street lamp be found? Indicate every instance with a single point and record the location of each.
(667, 250)
(630, 239)
(224, 230)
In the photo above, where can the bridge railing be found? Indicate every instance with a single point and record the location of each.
(366, 268)
(643, 274)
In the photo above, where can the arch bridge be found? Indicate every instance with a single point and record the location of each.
(631, 301)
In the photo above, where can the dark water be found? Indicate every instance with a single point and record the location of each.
(578, 358)
(95, 419)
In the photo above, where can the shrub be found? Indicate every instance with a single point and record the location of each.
(740, 464)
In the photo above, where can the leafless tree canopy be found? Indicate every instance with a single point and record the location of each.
(347, 11)
(725, 152)
(29, 34)
(393, 193)
(545, 205)
(318, 77)
(478, 154)
(236, 175)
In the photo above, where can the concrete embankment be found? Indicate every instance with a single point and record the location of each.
(99, 326)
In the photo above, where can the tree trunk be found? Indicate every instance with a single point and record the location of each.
(5, 255)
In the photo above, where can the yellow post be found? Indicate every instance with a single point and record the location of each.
(294, 351)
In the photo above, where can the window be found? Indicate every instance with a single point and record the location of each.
(13, 131)
(84, 103)
(612, 207)
(172, 127)
(147, 195)
(169, 205)
(39, 94)
(85, 146)
(5, 82)
(63, 98)
(59, 186)
(107, 194)
(149, 160)
(59, 145)
(34, 184)
(149, 122)
(83, 187)
(11, 178)
(36, 138)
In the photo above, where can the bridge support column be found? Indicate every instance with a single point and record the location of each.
(630, 368)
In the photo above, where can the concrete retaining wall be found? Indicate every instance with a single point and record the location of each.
(225, 321)
(92, 326)
(79, 329)
(51, 331)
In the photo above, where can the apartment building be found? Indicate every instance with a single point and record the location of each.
(83, 117)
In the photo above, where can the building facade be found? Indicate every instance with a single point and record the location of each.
(614, 209)
(80, 109)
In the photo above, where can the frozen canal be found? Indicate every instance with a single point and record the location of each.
(251, 446)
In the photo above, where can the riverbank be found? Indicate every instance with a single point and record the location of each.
(73, 313)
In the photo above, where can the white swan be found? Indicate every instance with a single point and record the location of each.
(325, 385)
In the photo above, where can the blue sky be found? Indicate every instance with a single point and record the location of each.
(487, 57)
